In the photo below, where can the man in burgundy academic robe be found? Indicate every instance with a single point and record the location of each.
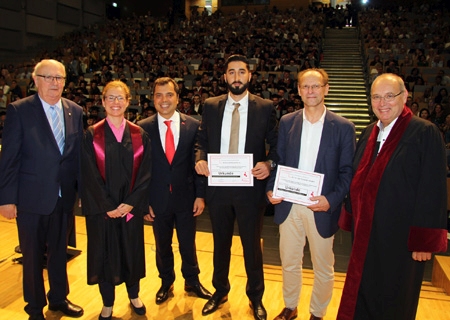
(396, 209)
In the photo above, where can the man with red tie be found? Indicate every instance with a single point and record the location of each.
(176, 192)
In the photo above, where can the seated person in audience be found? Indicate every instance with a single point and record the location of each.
(437, 62)
(415, 108)
(376, 59)
(422, 61)
(438, 115)
(407, 62)
(424, 113)
(446, 131)
(186, 107)
(15, 89)
(415, 74)
(442, 96)
(261, 66)
(3, 100)
(445, 79)
(278, 65)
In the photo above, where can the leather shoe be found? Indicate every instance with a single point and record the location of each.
(141, 310)
(213, 303)
(68, 308)
(36, 317)
(199, 290)
(287, 314)
(259, 312)
(313, 317)
(163, 294)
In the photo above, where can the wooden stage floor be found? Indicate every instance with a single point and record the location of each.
(434, 304)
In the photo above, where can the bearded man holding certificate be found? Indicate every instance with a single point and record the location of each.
(314, 140)
(240, 124)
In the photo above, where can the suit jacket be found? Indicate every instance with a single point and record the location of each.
(181, 175)
(261, 129)
(31, 168)
(334, 160)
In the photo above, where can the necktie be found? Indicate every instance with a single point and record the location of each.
(234, 132)
(57, 128)
(170, 143)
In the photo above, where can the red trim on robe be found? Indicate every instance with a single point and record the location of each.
(427, 239)
(99, 148)
(363, 192)
(345, 220)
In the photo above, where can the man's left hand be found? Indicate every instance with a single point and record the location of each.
(421, 256)
(261, 170)
(321, 205)
(199, 206)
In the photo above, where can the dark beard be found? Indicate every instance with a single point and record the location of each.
(238, 90)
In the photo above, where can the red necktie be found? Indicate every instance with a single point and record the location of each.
(170, 144)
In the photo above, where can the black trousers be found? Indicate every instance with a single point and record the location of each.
(185, 224)
(108, 292)
(227, 205)
(40, 235)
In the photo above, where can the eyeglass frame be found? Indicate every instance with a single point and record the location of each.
(49, 79)
(111, 98)
(389, 99)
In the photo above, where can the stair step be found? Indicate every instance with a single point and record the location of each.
(360, 88)
(347, 109)
(342, 94)
(350, 82)
(346, 104)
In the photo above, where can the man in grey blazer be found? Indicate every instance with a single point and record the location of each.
(257, 126)
(317, 140)
(38, 184)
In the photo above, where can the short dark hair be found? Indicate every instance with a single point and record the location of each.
(166, 80)
(237, 57)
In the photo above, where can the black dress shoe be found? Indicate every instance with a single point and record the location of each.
(213, 303)
(163, 294)
(141, 310)
(199, 290)
(259, 312)
(313, 317)
(36, 317)
(68, 308)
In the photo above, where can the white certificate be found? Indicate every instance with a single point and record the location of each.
(230, 170)
(297, 186)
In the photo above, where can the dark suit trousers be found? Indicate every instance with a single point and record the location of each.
(185, 224)
(228, 204)
(40, 235)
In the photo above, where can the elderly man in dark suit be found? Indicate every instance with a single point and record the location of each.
(176, 192)
(316, 140)
(219, 133)
(39, 172)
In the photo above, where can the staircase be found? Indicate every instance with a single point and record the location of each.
(343, 63)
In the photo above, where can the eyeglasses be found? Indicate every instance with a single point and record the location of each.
(313, 87)
(388, 97)
(113, 98)
(50, 79)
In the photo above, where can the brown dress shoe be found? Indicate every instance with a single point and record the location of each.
(287, 314)
(313, 317)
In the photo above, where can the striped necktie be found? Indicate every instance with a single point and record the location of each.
(57, 128)
(234, 132)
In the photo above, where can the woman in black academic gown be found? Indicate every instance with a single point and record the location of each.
(115, 180)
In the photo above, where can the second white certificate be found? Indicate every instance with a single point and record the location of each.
(297, 186)
(230, 170)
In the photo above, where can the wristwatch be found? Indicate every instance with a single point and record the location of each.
(272, 164)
